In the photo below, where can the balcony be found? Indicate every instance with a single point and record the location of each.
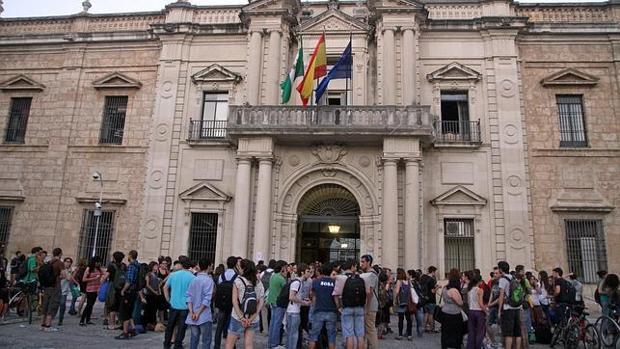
(296, 123)
(206, 130)
(455, 133)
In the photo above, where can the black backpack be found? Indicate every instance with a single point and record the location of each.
(46, 275)
(118, 279)
(23, 270)
(249, 302)
(403, 295)
(141, 281)
(567, 292)
(354, 292)
(283, 300)
(223, 293)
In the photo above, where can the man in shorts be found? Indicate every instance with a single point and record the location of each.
(51, 290)
(508, 317)
(352, 310)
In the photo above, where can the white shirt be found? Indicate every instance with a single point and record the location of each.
(293, 307)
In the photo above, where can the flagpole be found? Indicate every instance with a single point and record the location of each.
(351, 75)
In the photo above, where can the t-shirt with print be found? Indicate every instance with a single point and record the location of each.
(323, 289)
(293, 307)
(504, 284)
(371, 280)
(494, 291)
(258, 288)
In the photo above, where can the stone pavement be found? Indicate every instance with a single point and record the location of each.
(18, 334)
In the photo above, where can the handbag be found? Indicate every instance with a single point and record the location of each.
(437, 313)
(103, 291)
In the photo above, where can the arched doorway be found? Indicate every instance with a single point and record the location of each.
(328, 225)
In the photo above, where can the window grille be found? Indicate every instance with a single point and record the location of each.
(459, 244)
(6, 213)
(104, 234)
(113, 124)
(585, 245)
(214, 115)
(202, 236)
(572, 129)
(18, 119)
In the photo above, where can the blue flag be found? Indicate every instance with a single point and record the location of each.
(341, 70)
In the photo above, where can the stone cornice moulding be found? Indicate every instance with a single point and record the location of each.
(395, 5)
(216, 73)
(470, 198)
(464, 73)
(580, 200)
(21, 83)
(12, 198)
(104, 201)
(569, 77)
(116, 80)
(215, 194)
(333, 20)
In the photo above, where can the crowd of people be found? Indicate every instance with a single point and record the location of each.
(299, 305)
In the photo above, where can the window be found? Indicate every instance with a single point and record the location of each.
(113, 124)
(96, 229)
(338, 92)
(18, 119)
(214, 115)
(585, 244)
(6, 214)
(572, 129)
(202, 236)
(459, 244)
(455, 125)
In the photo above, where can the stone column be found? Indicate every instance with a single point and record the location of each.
(409, 66)
(241, 212)
(390, 214)
(412, 213)
(262, 219)
(389, 62)
(273, 72)
(254, 65)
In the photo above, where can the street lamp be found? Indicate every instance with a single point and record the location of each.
(98, 207)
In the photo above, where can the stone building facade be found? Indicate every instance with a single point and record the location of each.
(439, 150)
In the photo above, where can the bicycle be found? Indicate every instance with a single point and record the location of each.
(575, 331)
(22, 301)
(609, 329)
(559, 329)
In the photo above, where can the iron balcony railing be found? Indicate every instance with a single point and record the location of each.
(334, 120)
(458, 132)
(206, 129)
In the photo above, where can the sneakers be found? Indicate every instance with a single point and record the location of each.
(122, 336)
(50, 329)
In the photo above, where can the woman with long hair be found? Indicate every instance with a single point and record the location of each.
(452, 319)
(476, 325)
(611, 288)
(402, 292)
(92, 281)
(243, 320)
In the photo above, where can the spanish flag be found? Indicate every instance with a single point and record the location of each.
(317, 67)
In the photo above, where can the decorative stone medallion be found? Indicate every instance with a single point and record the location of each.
(329, 154)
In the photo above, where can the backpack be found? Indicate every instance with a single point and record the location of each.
(23, 269)
(47, 278)
(266, 278)
(567, 292)
(118, 280)
(354, 292)
(403, 295)
(424, 291)
(283, 297)
(141, 281)
(223, 293)
(249, 303)
(516, 292)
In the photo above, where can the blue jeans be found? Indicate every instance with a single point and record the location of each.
(62, 308)
(292, 329)
(320, 318)
(277, 317)
(419, 322)
(200, 331)
(353, 322)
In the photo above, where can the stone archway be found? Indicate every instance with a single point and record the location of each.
(296, 185)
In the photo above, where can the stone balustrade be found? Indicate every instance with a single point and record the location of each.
(330, 120)
(565, 13)
(210, 15)
(456, 11)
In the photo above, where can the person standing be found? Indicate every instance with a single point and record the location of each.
(199, 296)
(429, 286)
(371, 280)
(223, 300)
(92, 280)
(34, 261)
(293, 317)
(276, 283)
(452, 318)
(175, 291)
(128, 295)
(402, 293)
(66, 279)
(476, 324)
(16, 263)
(49, 278)
(509, 317)
(350, 296)
(324, 308)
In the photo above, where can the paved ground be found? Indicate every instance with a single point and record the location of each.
(18, 334)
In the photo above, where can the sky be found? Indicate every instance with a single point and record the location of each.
(32, 8)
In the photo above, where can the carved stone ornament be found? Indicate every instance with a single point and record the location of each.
(329, 154)
(215, 73)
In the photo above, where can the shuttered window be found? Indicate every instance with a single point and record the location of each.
(202, 236)
(18, 120)
(103, 230)
(113, 124)
(585, 243)
(459, 244)
(572, 125)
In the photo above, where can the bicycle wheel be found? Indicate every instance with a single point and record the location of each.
(608, 332)
(571, 337)
(29, 308)
(557, 336)
(590, 338)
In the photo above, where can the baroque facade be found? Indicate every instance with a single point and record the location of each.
(456, 142)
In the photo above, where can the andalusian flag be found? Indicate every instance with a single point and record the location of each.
(317, 67)
(297, 70)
